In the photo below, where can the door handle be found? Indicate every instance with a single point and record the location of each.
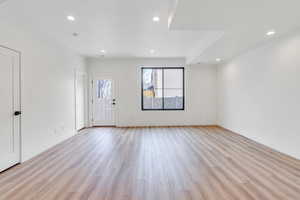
(113, 103)
(17, 113)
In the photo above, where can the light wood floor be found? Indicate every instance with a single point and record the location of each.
(155, 164)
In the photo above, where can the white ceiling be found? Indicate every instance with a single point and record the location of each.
(200, 30)
(123, 28)
(244, 23)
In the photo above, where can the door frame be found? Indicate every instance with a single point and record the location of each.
(91, 98)
(20, 99)
(83, 74)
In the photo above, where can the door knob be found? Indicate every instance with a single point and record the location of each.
(17, 113)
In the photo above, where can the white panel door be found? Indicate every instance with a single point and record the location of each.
(9, 104)
(80, 100)
(103, 102)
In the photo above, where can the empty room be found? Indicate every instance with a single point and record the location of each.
(149, 100)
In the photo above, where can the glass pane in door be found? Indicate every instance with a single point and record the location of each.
(103, 89)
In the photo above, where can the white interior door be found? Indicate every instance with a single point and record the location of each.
(9, 108)
(80, 99)
(103, 102)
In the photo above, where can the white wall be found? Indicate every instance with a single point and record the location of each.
(258, 94)
(48, 114)
(200, 92)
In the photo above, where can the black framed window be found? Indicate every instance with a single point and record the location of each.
(162, 88)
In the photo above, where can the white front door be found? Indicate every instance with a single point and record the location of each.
(103, 102)
(9, 108)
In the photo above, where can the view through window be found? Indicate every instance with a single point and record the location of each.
(162, 88)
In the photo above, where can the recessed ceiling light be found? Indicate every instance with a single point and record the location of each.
(218, 59)
(152, 51)
(71, 18)
(271, 32)
(156, 19)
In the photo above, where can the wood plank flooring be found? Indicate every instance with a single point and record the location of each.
(191, 163)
